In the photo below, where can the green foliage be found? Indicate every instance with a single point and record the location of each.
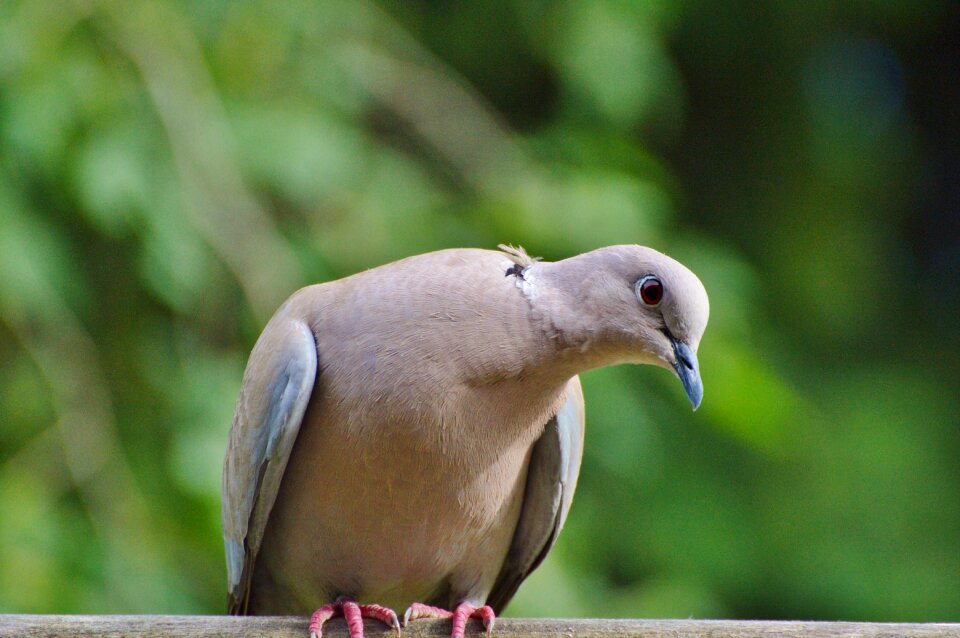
(171, 171)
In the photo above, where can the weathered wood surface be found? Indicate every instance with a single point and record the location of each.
(293, 627)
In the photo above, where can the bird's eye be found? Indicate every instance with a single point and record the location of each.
(650, 290)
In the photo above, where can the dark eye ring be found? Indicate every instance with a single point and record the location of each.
(650, 290)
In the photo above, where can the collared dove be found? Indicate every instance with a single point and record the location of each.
(411, 435)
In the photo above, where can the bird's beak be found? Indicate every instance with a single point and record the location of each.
(688, 369)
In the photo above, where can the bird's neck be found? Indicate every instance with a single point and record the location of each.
(562, 308)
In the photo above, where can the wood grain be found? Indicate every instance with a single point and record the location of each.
(25, 626)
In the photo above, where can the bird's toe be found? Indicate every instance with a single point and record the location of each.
(417, 611)
(465, 611)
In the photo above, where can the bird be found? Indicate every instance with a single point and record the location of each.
(411, 436)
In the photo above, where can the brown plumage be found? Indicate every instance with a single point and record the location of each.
(413, 433)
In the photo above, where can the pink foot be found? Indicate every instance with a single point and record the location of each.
(354, 614)
(459, 615)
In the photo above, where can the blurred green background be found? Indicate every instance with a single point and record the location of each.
(171, 171)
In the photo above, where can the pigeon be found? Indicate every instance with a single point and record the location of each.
(410, 437)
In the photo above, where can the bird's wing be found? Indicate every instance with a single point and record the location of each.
(551, 480)
(277, 385)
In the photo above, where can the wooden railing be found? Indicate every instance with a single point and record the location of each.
(24, 626)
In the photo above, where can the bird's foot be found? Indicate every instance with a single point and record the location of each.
(353, 613)
(459, 615)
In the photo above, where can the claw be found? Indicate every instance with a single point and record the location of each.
(459, 615)
(488, 617)
(394, 621)
(354, 614)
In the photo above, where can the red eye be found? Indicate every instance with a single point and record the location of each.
(651, 290)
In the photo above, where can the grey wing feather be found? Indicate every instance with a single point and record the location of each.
(277, 386)
(551, 481)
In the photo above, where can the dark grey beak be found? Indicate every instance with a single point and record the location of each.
(688, 369)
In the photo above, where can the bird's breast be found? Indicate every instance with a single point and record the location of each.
(394, 502)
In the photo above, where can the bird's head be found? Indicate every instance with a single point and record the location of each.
(631, 304)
